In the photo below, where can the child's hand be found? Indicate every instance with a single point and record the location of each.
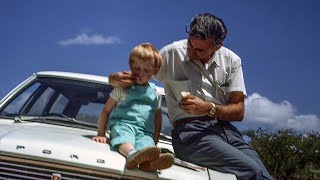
(101, 139)
(156, 138)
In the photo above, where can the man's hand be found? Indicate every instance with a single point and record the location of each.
(101, 139)
(194, 105)
(121, 79)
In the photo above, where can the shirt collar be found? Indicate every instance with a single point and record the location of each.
(213, 59)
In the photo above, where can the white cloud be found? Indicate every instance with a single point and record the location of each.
(262, 112)
(95, 39)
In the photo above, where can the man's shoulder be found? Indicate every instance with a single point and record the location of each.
(224, 51)
(175, 45)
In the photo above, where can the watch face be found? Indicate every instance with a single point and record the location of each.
(212, 111)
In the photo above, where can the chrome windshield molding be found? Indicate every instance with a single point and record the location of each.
(74, 76)
(17, 89)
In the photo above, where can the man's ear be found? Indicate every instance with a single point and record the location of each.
(217, 46)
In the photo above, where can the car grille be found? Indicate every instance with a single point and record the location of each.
(17, 168)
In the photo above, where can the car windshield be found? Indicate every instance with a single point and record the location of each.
(65, 102)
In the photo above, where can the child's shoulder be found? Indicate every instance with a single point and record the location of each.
(119, 91)
(151, 84)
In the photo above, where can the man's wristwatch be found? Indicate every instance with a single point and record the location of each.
(212, 110)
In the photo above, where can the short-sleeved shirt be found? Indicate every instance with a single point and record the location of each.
(211, 82)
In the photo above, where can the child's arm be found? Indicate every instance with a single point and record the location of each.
(103, 121)
(157, 125)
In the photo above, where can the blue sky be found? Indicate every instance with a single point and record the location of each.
(278, 42)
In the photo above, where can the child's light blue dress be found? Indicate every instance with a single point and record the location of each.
(132, 120)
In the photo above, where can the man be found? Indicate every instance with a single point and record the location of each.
(213, 75)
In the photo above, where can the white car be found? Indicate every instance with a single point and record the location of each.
(46, 126)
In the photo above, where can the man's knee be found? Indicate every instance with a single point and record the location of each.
(254, 172)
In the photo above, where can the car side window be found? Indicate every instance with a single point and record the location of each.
(90, 112)
(39, 106)
(15, 106)
(59, 105)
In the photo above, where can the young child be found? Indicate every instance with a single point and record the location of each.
(135, 121)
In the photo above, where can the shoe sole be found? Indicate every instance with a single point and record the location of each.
(164, 161)
(144, 155)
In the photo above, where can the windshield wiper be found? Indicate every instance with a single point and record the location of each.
(9, 115)
(57, 119)
(20, 118)
(60, 116)
(65, 118)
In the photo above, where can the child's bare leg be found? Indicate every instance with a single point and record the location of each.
(125, 148)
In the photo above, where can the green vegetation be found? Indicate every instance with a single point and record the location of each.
(286, 153)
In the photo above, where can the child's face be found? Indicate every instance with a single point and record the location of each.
(142, 70)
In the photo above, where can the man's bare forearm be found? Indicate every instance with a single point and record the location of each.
(230, 112)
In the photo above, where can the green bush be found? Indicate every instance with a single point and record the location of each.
(286, 153)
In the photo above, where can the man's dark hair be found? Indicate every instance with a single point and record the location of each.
(204, 26)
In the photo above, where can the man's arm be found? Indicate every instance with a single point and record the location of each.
(121, 79)
(233, 111)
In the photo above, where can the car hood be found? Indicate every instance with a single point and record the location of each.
(74, 147)
(56, 143)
